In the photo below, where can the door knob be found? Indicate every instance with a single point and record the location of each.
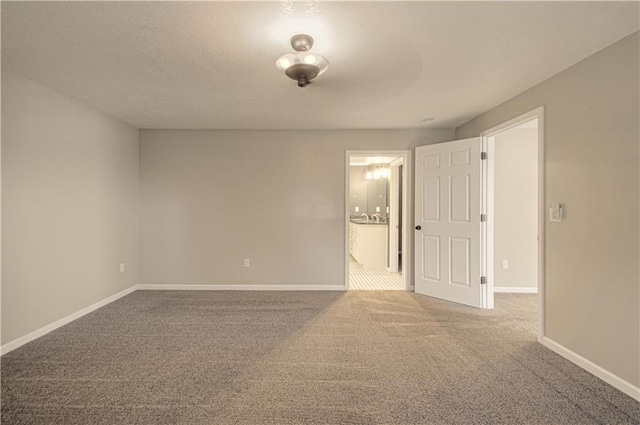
(418, 227)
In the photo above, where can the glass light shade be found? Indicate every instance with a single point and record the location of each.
(369, 175)
(290, 59)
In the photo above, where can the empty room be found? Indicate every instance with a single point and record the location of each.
(319, 212)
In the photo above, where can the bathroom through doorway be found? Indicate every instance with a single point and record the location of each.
(376, 207)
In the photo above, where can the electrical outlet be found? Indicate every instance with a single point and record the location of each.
(121, 267)
(247, 262)
(357, 209)
(505, 264)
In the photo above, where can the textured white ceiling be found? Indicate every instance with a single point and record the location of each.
(211, 65)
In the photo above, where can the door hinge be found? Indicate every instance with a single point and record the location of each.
(483, 155)
(483, 280)
(483, 218)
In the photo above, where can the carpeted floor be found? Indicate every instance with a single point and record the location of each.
(161, 357)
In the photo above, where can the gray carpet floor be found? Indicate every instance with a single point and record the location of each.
(163, 357)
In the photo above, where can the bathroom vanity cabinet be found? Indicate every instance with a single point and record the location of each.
(368, 244)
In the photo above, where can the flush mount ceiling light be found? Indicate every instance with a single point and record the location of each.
(302, 66)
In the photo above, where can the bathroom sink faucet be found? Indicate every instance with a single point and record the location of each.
(376, 218)
(365, 216)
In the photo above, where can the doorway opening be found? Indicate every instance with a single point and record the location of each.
(514, 204)
(375, 220)
(457, 198)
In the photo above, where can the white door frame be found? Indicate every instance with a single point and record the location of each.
(394, 196)
(487, 202)
(407, 251)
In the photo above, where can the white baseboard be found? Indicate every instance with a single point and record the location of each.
(608, 377)
(18, 342)
(515, 290)
(217, 287)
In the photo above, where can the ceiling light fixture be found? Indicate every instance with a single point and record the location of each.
(302, 66)
(376, 172)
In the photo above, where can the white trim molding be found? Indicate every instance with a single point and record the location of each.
(220, 287)
(608, 377)
(18, 342)
(515, 289)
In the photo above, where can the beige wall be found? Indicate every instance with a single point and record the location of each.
(69, 201)
(516, 208)
(592, 271)
(211, 198)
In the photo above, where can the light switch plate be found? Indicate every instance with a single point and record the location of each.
(555, 212)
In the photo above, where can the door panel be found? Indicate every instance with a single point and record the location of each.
(448, 229)
(431, 267)
(460, 202)
(431, 208)
(459, 261)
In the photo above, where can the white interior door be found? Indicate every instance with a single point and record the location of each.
(447, 221)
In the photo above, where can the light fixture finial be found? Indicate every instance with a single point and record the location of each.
(302, 42)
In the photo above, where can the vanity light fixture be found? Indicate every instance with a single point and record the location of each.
(379, 172)
(302, 66)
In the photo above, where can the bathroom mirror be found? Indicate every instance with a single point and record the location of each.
(369, 190)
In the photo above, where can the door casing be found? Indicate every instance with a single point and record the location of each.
(394, 200)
